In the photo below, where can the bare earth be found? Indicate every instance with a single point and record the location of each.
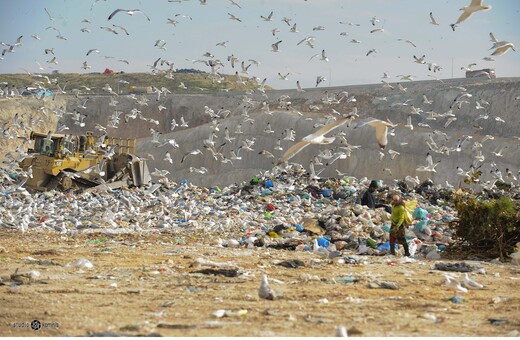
(144, 284)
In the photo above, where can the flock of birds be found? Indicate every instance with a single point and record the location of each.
(333, 121)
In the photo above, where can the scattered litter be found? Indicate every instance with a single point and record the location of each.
(455, 267)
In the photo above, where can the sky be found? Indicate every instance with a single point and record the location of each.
(200, 27)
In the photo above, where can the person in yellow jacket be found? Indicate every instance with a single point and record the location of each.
(399, 224)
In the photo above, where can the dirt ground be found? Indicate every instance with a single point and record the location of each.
(145, 284)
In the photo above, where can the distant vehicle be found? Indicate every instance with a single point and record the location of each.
(484, 73)
(140, 89)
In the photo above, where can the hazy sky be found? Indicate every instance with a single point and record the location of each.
(251, 38)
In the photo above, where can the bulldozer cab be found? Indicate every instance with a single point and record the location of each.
(46, 146)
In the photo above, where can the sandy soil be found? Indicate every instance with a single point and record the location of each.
(146, 284)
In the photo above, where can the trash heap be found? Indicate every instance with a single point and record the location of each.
(283, 210)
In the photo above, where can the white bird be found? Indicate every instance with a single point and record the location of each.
(420, 60)
(503, 49)
(268, 18)
(371, 51)
(265, 291)
(317, 137)
(319, 79)
(454, 284)
(475, 6)
(411, 179)
(426, 101)
(234, 17)
(469, 283)
(381, 128)
(318, 250)
(298, 87)
(168, 158)
(393, 153)
(193, 152)
(128, 11)
(408, 41)
(275, 46)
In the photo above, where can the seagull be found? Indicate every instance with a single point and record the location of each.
(426, 101)
(432, 19)
(317, 137)
(92, 50)
(122, 28)
(298, 87)
(420, 60)
(470, 283)
(454, 284)
(475, 6)
(414, 180)
(193, 152)
(109, 29)
(282, 77)
(374, 20)
(371, 51)
(234, 17)
(265, 291)
(275, 46)
(266, 153)
(268, 18)
(503, 49)
(318, 250)
(381, 127)
(319, 79)
(128, 11)
(168, 158)
(234, 3)
(408, 41)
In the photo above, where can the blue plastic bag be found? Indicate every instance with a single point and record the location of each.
(420, 213)
(386, 246)
(323, 242)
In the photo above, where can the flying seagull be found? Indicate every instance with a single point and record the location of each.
(381, 127)
(475, 6)
(128, 11)
(432, 19)
(317, 137)
(503, 49)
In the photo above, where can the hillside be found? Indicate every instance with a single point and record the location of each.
(194, 81)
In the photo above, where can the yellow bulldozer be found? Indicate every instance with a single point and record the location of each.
(59, 161)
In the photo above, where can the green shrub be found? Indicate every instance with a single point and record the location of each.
(489, 228)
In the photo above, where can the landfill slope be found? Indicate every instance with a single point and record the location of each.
(500, 93)
(364, 161)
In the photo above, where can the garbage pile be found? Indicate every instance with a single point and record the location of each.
(286, 209)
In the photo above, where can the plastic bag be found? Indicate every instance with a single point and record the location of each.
(409, 208)
(420, 213)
